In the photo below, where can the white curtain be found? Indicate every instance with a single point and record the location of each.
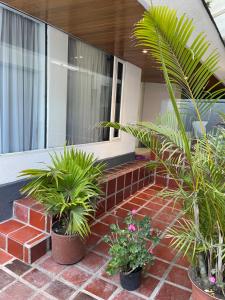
(89, 93)
(22, 83)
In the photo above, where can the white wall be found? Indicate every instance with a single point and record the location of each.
(11, 164)
(57, 87)
(155, 100)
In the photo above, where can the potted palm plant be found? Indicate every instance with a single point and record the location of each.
(68, 189)
(131, 249)
(200, 234)
(196, 168)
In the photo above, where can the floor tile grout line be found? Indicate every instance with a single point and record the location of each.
(54, 277)
(120, 289)
(171, 265)
(162, 281)
(156, 214)
(178, 285)
(8, 285)
(100, 240)
(99, 272)
(68, 283)
(94, 276)
(169, 225)
(19, 278)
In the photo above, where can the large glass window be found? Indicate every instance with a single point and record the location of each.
(22, 83)
(90, 77)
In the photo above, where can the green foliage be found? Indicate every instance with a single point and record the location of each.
(187, 64)
(67, 188)
(130, 245)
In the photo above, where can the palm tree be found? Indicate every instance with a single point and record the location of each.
(187, 64)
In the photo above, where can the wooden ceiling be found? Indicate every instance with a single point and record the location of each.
(106, 24)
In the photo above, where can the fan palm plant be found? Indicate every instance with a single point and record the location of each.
(68, 189)
(187, 64)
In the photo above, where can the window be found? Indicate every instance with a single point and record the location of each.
(22, 83)
(118, 94)
(93, 78)
(90, 77)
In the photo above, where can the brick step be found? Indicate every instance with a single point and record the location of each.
(28, 211)
(27, 235)
(23, 241)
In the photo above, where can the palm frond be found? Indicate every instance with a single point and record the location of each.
(189, 68)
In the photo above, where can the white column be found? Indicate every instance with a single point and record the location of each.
(57, 87)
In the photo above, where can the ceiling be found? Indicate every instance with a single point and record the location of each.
(106, 24)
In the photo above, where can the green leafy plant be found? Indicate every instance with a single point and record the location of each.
(197, 167)
(200, 233)
(68, 189)
(130, 246)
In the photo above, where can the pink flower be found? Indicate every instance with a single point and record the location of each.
(133, 212)
(212, 279)
(150, 251)
(132, 227)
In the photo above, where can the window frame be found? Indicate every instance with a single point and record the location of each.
(114, 91)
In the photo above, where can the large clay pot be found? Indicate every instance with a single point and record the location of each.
(198, 293)
(67, 249)
(131, 281)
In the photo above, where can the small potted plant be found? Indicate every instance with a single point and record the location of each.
(131, 249)
(68, 189)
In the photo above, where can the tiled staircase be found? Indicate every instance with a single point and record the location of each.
(27, 235)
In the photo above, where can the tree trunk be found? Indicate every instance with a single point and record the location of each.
(201, 260)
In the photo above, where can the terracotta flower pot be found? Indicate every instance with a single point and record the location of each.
(197, 292)
(67, 249)
(131, 281)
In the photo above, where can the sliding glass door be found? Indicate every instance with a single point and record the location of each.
(90, 76)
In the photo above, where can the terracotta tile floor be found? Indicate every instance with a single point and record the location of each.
(87, 280)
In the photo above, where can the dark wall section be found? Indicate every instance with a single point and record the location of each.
(118, 160)
(10, 192)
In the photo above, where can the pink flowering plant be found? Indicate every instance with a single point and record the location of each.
(131, 244)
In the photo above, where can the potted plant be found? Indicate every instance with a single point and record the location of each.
(196, 167)
(200, 234)
(68, 189)
(131, 249)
